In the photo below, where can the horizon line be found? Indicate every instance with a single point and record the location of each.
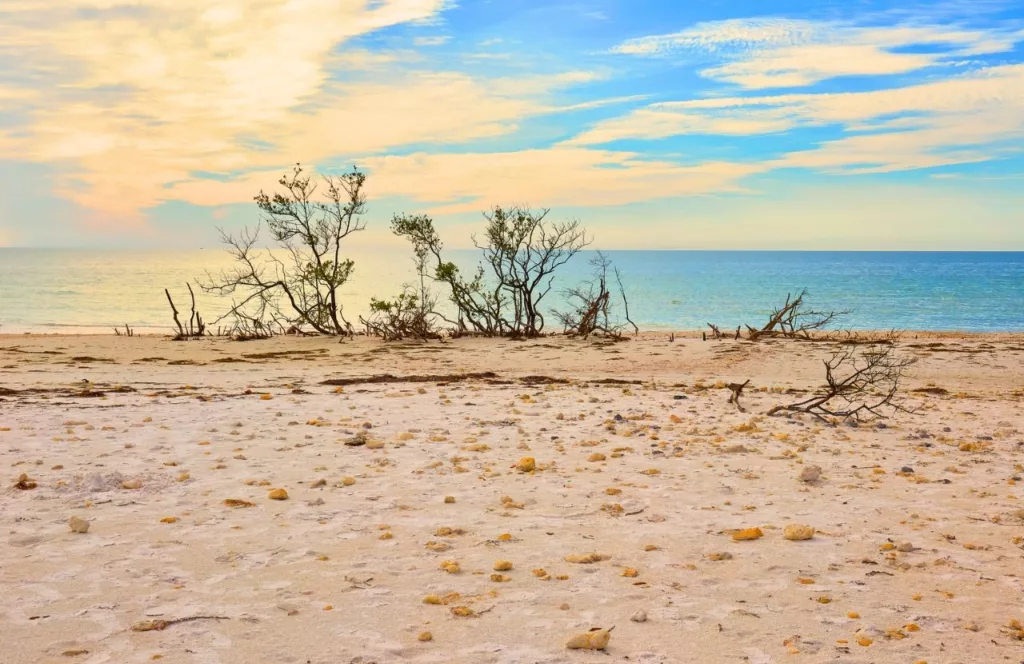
(674, 249)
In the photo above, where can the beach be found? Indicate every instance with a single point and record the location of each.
(414, 529)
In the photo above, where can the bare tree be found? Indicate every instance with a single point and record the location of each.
(792, 320)
(521, 249)
(869, 388)
(300, 288)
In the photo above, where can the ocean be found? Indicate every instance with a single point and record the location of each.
(65, 290)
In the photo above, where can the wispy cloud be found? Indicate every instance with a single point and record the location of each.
(951, 121)
(436, 40)
(142, 95)
(775, 53)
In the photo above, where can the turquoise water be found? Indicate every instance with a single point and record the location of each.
(86, 290)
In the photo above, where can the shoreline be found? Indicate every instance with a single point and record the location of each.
(685, 333)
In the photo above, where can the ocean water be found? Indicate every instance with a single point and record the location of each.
(88, 291)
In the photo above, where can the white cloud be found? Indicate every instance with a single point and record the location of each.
(438, 40)
(556, 177)
(727, 36)
(951, 121)
(851, 216)
(773, 53)
(145, 93)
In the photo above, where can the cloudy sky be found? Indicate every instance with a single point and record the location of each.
(862, 124)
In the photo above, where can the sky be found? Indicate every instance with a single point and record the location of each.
(721, 124)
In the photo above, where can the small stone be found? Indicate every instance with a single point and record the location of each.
(905, 547)
(810, 474)
(526, 465)
(747, 534)
(795, 532)
(278, 494)
(639, 616)
(906, 469)
(425, 636)
(132, 484)
(596, 639)
(79, 525)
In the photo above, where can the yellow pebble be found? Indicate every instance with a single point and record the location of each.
(747, 534)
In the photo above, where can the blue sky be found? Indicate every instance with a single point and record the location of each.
(754, 124)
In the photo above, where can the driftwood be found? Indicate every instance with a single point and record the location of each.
(792, 321)
(161, 625)
(196, 328)
(869, 390)
(591, 309)
(737, 390)
(128, 332)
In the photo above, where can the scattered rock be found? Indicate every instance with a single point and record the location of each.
(132, 485)
(358, 440)
(747, 534)
(810, 474)
(526, 465)
(795, 532)
(595, 639)
(24, 483)
(639, 616)
(278, 494)
(906, 469)
(78, 525)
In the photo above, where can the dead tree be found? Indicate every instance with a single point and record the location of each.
(302, 287)
(793, 321)
(590, 304)
(625, 303)
(869, 388)
(737, 390)
(196, 327)
(715, 332)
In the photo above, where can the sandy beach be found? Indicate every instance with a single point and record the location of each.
(413, 531)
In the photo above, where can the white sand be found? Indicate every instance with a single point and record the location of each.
(274, 569)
